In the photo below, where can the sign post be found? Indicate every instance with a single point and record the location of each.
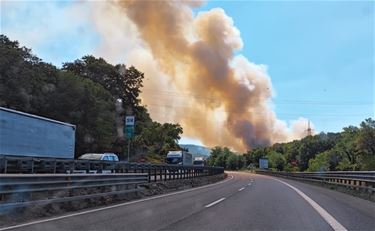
(129, 130)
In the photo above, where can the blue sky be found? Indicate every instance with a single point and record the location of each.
(320, 54)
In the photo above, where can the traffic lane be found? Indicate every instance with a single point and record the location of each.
(352, 212)
(265, 204)
(146, 215)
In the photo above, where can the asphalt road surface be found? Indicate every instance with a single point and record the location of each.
(243, 201)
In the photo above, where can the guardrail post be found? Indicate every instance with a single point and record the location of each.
(5, 166)
(149, 174)
(155, 173)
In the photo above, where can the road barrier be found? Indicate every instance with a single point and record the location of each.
(24, 190)
(28, 181)
(155, 172)
(358, 180)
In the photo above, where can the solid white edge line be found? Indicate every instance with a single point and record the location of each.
(215, 202)
(241, 189)
(322, 212)
(114, 206)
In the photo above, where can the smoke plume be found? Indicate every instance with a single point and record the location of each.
(192, 74)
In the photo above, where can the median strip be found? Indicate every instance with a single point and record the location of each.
(215, 202)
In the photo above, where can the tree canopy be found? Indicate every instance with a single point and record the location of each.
(90, 93)
(351, 149)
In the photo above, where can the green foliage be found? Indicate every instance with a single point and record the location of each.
(123, 83)
(320, 163)
(234, 162)
(310, 146)
(252, 157)
(224, 157)
(158, 138)
(215, 153)
(352, 149)
(276, 160)
(85, 93)
(366, 144)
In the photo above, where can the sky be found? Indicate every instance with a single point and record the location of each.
(319, 54)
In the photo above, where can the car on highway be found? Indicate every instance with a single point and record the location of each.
(107, 156)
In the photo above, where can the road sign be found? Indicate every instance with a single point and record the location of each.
(263, 163)
(129, 126)
(129, 131)
(129, 120)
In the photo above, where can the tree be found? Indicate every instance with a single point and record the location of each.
(311, 146)
(320, 163)
(253, 156)
(347, 148)
(123, 83)
(26, 81)
(157, 139)
(89, 106)
(276, 160)
(366, 144)
(32, 86)
(215, 152)
(234, 162)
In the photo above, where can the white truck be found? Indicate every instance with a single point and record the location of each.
(199, 161)
(180, 158)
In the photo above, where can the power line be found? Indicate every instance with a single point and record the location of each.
(274, 100)
(263, 113)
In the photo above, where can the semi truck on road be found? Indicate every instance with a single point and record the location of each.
(23, 134)
(180, 158)
(199, 161)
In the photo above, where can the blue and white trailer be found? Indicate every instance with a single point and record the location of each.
(23, 134)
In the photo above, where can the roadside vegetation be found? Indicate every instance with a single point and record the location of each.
(95, 96)
(352, 149)
(90, 93)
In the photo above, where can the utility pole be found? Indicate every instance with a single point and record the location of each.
(128, 149)
(309, 131)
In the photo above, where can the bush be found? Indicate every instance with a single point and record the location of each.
(276, 160)
(320, 163)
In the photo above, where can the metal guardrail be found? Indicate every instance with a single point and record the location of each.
(22, 190)
(364, 180)
(155, 172)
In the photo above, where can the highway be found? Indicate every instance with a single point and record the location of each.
(243, 201)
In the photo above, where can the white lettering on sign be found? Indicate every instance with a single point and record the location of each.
(129, 120)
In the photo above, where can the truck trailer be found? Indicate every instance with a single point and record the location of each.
(23, 134)
(180, 158)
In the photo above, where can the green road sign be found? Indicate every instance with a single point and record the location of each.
(129, 131)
